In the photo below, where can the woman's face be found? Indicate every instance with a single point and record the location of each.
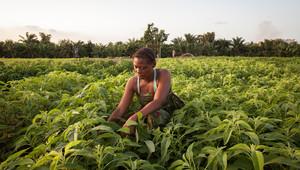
(143, 68)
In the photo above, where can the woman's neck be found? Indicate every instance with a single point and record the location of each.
(150, 77)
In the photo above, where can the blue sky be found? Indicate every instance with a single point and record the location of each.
(118, 20)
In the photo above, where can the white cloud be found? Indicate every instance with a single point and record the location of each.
(221, 23)
(267, 30)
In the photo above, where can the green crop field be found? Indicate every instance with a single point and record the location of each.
(240, 113)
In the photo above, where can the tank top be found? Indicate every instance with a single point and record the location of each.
(148, 97)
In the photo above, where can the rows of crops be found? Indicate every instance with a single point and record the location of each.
(240, 113)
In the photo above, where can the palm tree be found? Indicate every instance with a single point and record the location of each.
(2, 49)
(191, 42)
(30, 41)
(8, 49)
(46, 47)
(78, 50)
(179, 45)
(267, 48)
(293, 49)
(207, 38)
(29, 38)
(119, 49)
(45, 38)
(253, 49)
(89, 48)
(132, 45)
(66, 48)
(238, 46)
(222, 47)
(99, 50)
(206, 42)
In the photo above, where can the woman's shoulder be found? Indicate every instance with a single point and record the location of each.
(132, 82)
(163, 72)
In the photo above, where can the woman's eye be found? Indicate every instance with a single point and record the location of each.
(141, 68)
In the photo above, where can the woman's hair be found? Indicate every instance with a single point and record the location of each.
(145, 53)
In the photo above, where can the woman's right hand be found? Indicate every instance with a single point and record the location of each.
(113, 118)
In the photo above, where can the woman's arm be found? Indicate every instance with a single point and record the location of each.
(161, 94)
(125, 101)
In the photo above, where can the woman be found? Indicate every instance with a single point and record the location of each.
(152, 87)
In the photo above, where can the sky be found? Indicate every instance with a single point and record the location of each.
(103, 21)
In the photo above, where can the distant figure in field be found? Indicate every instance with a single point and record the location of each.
(173, 53)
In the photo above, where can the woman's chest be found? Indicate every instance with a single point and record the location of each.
(146, 88)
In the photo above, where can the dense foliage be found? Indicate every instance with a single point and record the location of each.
(240, 113)
(206, 44)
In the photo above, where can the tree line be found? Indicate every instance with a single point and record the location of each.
(31, 46)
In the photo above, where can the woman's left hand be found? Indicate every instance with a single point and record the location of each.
(131, 128)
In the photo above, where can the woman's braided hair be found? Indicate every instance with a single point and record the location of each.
(145, 53)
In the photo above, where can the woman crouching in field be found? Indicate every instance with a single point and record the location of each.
(153, 89)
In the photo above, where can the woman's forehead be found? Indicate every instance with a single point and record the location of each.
(141, 61)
